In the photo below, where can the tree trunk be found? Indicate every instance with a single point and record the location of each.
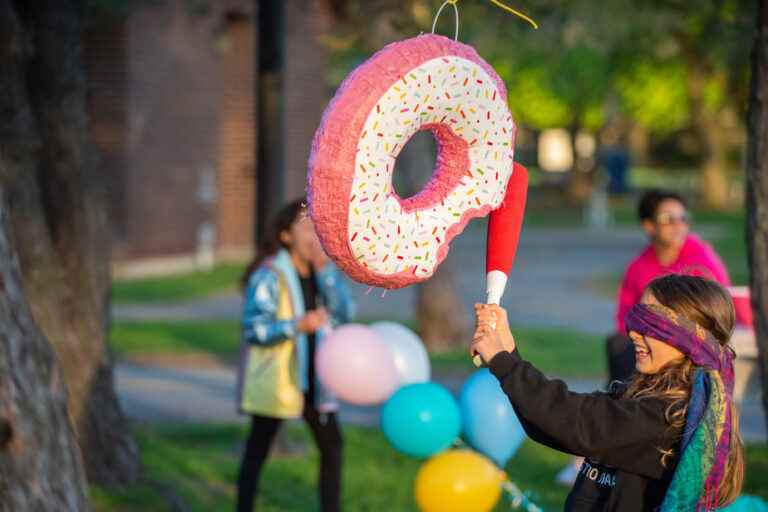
(306, 62)
(581, 176)
(441, 317)
(40, 465)
(714, 182)
(639, 142)
(58, 210)
(270, 189)
(757, 191)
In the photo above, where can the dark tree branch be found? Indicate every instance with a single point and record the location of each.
(757, 190)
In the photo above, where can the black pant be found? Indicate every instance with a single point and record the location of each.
(325, 430)
(621, 357)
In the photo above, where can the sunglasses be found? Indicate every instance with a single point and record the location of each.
(665, 219)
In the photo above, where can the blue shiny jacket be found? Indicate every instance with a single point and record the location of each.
(259, 322)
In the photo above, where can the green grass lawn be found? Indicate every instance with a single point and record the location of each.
(561, 353)
(756, 476)
(557, 352)
(215, 338)
(200, 464)
(732, 246)
(178, 287)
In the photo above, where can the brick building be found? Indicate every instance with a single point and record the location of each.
(172, 99)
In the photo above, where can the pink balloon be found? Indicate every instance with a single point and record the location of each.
(357, 365)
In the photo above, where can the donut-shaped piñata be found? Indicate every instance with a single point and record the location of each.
(428, 82)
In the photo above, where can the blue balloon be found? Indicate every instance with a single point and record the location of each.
(746, 503)
(490, 424)
(421, 419)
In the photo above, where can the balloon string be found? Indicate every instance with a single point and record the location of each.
(497, 3)
(456, 13)
(513, 11)
(518, 498)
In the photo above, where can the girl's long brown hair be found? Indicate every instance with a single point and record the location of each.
(708, 304)
(272, 243)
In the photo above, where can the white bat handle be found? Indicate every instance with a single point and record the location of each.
(496, 281)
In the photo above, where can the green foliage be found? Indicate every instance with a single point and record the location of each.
(581, 77)
(654, 94)
(593, 117)
(531, 101)
(541, 98)
(586, 53)
(711, 37)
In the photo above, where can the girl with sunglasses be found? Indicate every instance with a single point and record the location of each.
(672, 248)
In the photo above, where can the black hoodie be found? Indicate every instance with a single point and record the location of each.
(620, 438)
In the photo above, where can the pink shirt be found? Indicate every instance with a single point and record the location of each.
(696, 258)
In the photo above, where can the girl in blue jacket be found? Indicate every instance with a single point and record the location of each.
(292, 293)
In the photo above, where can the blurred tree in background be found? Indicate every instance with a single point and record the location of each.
(709, 40)
(672, 67)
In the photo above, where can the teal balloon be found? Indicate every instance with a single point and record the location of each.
(746, 503)
(490, 424)
(421, 419)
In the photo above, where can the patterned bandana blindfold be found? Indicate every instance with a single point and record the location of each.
(706, 439)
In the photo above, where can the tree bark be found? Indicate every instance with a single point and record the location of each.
(39, 457)
(441, 317)
(639, 142)
(58, 216)
(757, 191)
(714, 182)
(40, 465)
(270, 166)
(581, 175)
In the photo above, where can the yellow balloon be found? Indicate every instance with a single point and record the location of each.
(458, 481)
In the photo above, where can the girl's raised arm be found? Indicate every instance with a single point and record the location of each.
(623, 433)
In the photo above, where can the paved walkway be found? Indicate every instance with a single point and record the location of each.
(154, 394)
(550, 283)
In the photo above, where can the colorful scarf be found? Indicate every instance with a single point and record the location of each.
(706, 438)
